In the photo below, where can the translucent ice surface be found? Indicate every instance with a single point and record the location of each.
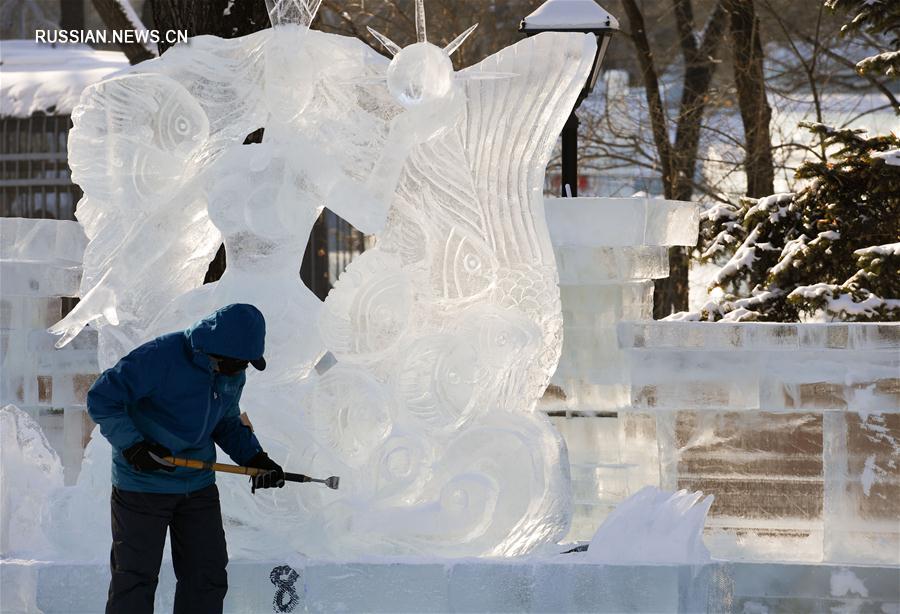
(40, 257)
(445, 334)
(564, 583)
(29, 471)
(862, 487)
(654, 526)
(622, 221)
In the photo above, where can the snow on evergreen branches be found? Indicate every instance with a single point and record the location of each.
(831, 250)
(890, 157)
(887, 63)
(879, 18)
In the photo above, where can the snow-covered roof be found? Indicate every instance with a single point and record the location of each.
(49, 78)
(569, 15)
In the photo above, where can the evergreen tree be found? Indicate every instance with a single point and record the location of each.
(830, 250)
(880, 18)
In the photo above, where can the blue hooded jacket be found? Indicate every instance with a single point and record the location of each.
(166, 391)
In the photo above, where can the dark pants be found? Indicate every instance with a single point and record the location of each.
(139, 523)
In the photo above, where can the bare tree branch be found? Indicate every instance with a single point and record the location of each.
(651, 85)
(115, 18)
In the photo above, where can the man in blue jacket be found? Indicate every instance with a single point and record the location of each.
(178, 395)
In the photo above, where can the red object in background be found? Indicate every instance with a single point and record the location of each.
(555, 180)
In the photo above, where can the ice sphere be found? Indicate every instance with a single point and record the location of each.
(419, 74)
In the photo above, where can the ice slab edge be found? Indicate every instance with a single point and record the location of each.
(564, 584)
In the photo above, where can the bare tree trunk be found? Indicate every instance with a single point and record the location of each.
(115, 18)
(699, 68)
(71, 15)
(651, 86)
(678, 161)
(225, 18)
(671, 293)
(751, 89)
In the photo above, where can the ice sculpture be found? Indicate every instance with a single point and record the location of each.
(654, 526)
(29, 471)
(445, 334)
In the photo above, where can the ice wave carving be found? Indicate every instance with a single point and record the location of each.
(445, 334)
(654, 527)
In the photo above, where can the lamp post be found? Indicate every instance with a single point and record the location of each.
(573, 16)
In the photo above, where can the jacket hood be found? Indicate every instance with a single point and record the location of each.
(235, 331)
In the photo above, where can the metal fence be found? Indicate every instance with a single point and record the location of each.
(333, 243)
(35, 180)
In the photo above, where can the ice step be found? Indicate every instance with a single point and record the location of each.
(621, 222)
(564, 583)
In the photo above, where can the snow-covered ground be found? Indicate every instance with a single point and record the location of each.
(50, 78)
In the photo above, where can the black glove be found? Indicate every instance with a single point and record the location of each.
(272, 478)
(139, 456)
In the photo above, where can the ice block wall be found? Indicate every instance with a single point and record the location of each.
(40, 264)
(565, 583)
(795, 428)
(608, 252)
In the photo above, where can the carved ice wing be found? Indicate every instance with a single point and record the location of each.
(225, 77)
(482, 183)
(138, 145)
(351, 107)
(348, 119)
(510, 128)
